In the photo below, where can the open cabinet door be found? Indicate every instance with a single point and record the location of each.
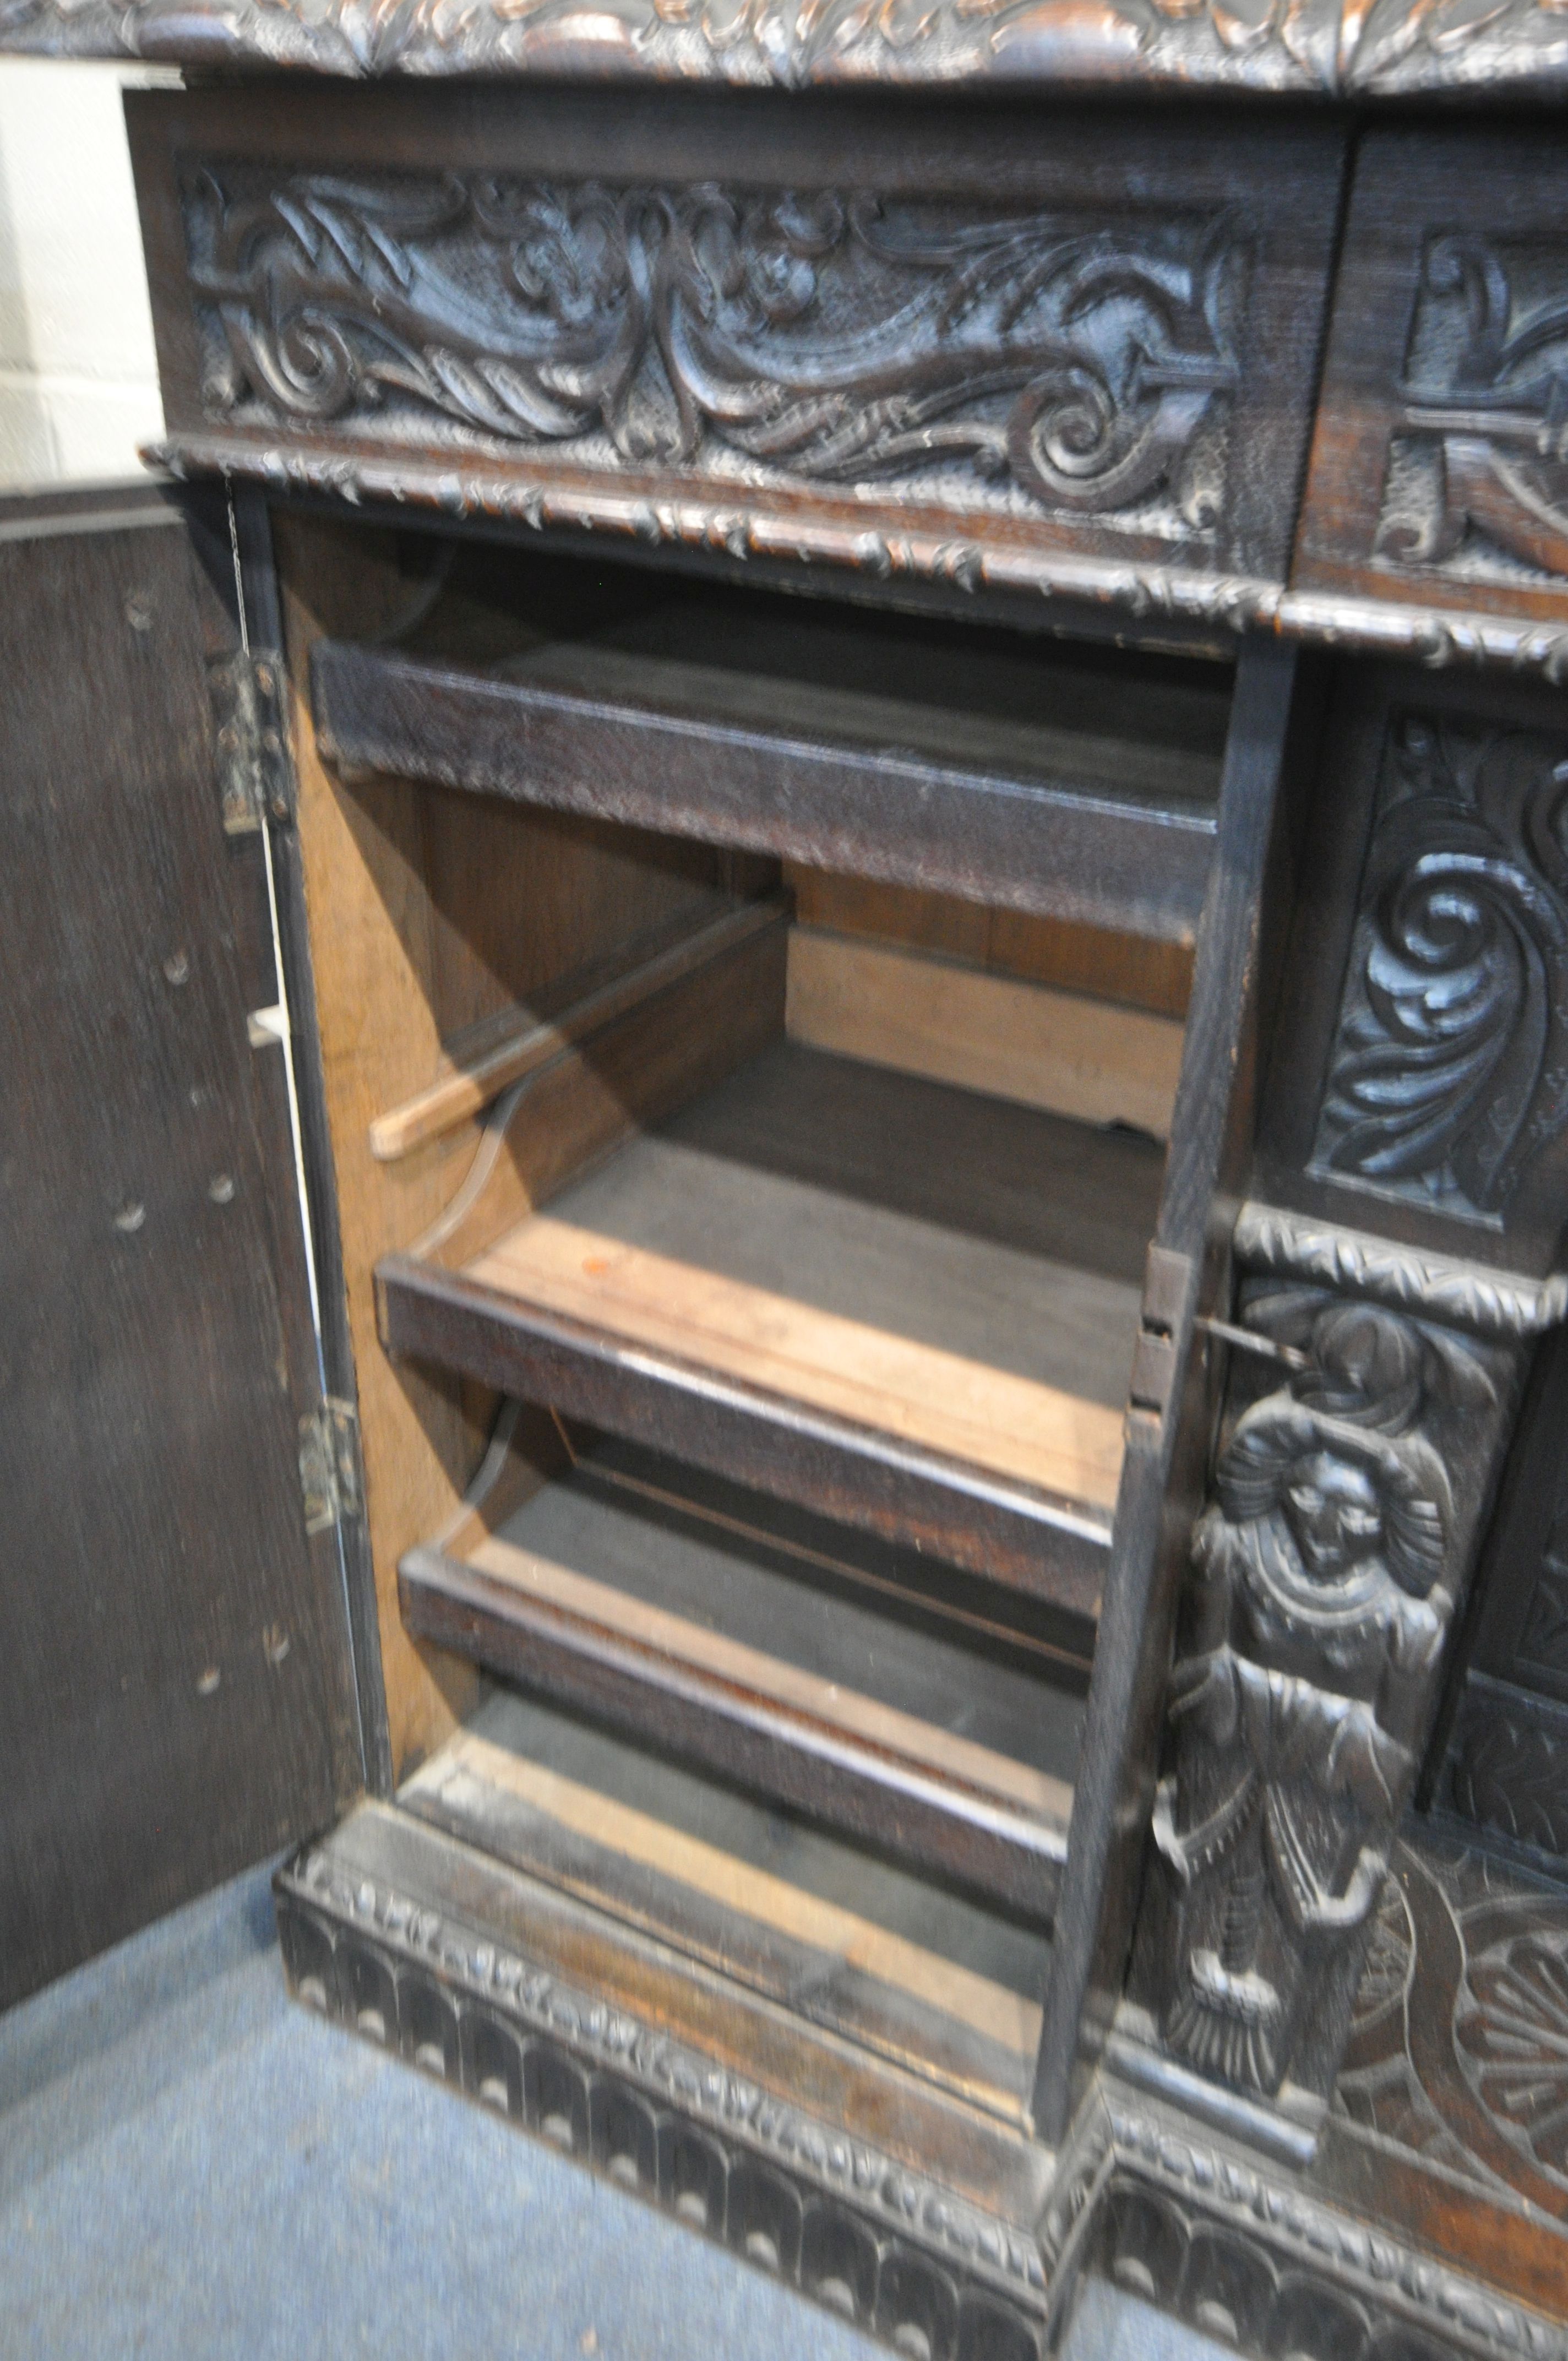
(177, 1696)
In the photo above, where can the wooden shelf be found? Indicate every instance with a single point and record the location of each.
(900, 1304)
(682, 1627)
(991, 764)
(925, 1977)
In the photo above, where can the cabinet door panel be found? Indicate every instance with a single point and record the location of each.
(175, 1699)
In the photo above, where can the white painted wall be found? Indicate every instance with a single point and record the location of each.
(77, 380)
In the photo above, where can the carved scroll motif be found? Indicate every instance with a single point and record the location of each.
(1325, 1580)
(1042, 362)
(1450, 1071)
(1387, 45)
(1256, 44)
(1479, 469)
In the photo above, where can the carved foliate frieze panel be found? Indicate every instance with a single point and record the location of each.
(1477, 480)
(1325, 1580)
(1257, 44)
(1448, 1074)
(1028, 364)
(1387, 46)
(1440, 469)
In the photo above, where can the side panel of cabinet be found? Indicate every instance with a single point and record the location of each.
(176, 1697)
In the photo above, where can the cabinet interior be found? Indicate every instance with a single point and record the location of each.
(743, 1249)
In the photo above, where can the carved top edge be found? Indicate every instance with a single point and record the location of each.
(1201, 602)
(1327, 47)
(1441, 1287)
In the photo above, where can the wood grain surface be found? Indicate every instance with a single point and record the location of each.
(176, 1696)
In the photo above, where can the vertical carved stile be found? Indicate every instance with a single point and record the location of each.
(1352, 1471)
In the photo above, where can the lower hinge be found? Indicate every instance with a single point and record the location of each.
(329, 1464)
(1167, 1286)
(255, 780)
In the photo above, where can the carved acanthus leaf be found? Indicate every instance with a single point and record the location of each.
(1258, 44)
(1450, 1071)
(1480, 462)
(1049, 363)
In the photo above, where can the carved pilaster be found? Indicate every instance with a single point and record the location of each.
(1356, 1456)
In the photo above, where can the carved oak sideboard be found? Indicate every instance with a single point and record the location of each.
(904, 669)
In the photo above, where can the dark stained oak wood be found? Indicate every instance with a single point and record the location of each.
(176, 1694)
(1217, 237)
(1016, 1537)
(811, 1179)
(842, 1937)
(980, 1841)
(1436, 477)
(1234, 980)
(879, 409)
(945, 761)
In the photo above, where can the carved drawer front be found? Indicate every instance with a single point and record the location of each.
(1440, 465)
(968, 344)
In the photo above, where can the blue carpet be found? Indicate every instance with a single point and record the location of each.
(191, 2166)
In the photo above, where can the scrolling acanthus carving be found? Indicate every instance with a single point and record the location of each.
(792, 44)
(1450, 1071)
(1479, 466)
(1049, 364)
(1325, 1580)
(1326, 45)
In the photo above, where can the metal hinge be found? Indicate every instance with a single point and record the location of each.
(254, 777)
(1168, 1284)
(329, 1464)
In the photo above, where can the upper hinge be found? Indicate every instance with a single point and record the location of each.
(1168, 1288)
(329, 1464)
(256, 779)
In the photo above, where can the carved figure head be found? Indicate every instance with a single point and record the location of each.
(1349, 1499)
(1334, 1513)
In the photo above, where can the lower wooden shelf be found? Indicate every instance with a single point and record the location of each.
(944, 1744)
(948, 1989)
(900, 1304)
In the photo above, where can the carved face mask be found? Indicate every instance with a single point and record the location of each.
(1333, 1514)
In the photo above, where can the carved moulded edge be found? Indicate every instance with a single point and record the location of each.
(1234, 604)
(1330, 46)
(1114, 2135)
(1298, 2228)
(732, 529)
(782, 44)
(1494, 1303)
(876, 2185)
